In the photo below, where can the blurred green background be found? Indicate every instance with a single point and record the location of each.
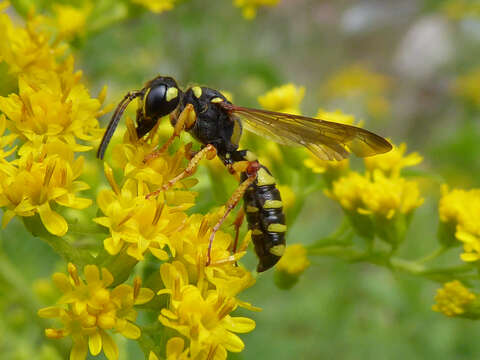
(337, 310)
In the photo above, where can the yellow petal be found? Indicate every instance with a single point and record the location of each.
(7, 216)
(469, 257)
(107, 277)
(52, 221)
(175, 347)
(113, 247)
(144, 296)
(232, 342)
(95, 343)
(131, 331)
(91, 274)
(152, 356)
(110, 348)
(159, 253)
(49, 312)
(62, 282)
(239, 324)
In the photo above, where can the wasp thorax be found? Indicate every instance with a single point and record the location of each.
(161, 98)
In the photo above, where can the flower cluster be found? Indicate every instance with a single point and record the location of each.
(454, 299)
(358, 83)
(459, 212)
(89, 309)
(380, 201)
(42, 128)
(52, 116)
(285, 98)
(201, 297)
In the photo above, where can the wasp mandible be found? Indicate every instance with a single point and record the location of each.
(217, 124)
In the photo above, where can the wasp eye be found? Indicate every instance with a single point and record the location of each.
(161, 100)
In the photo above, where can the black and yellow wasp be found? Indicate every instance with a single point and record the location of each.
(217, 124)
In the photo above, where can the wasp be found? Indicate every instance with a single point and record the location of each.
(217, 124)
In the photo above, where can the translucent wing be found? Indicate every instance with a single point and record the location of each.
(327, 140)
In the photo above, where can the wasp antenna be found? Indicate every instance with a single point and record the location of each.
(112, 125)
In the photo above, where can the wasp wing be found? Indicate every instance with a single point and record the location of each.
(327, 140)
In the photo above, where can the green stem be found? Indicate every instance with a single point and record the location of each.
(416, 268)
(432, 256)
(58, 244)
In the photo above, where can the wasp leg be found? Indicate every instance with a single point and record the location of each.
(186, 119)
(237, 224)
(208, 152)
(252, 168)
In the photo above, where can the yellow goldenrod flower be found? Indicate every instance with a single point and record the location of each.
(348, 190)
(357, 81)
(376, 194)
(191, 243)
(294, 261)
(285, 98)
(459, 210)
(139, 223)
(292, 264)
(130, 157)
(206, 322)
(377, 204)
(156, 6)
(467, 86)
(70, 21)
(26, 49)
(387, 196)
(53, 105)
(32, 182)
(394, 161)
(249, 7)
(453, 299)
(89, 309)
(5, 141)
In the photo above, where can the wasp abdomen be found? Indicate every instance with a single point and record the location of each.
(264, 210)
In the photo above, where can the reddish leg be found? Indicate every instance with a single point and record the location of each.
(185, 120)
(208, 152)
(251, 170)
(237, 224)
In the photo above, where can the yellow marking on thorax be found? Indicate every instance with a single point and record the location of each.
(141, 101)
(237, 132)
(250, 156)
(257, 232)
(264, 178)
(172, 93)
(277, 228)
(272, 204)
(197, 91)
(277, 250)
(217, 100)
(252, 209)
